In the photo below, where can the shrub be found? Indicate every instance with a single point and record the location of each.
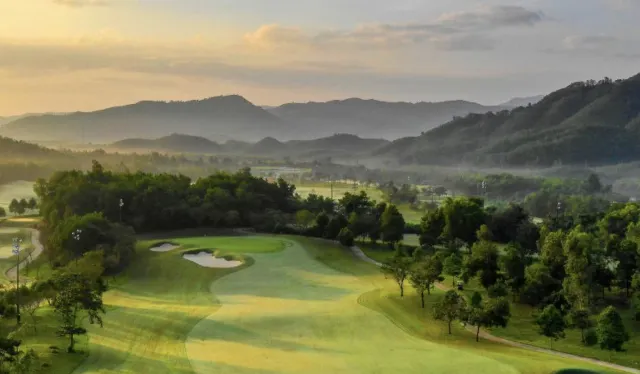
(498, 290)
(590, 337)
(345, 237)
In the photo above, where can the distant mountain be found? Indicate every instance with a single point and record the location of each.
(370, 118)
(16, 150)
(522, 101)
(222, 116)
(587, 122)
(337, 145)
(5, 120)
(174, 142)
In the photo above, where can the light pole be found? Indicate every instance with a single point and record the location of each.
(484, 188)
(558, 208)
(16, 251)
(121, 205)
(76, 236)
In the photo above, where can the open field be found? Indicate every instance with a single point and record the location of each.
(15, 190)
(339, 189)
(307, 306)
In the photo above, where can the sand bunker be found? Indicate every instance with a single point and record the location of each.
(165, 247)
(9, 230)
(210, 261)
(23, 219)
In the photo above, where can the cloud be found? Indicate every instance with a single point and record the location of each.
(82, 3)
(492, 17)
(467, 30)
(589, 42)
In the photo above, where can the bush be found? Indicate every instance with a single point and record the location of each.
(345, 237)
(590, 337)
(498, 290)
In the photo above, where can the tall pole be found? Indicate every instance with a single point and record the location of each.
(16, 251)
(331, 184)
(121, 205)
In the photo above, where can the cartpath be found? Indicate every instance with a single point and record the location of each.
(485, 335)
(37, 251)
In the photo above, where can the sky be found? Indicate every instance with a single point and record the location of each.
(68, 55)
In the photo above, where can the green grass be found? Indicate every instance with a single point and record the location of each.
(16, 190)
(407, 315)
(410, 215)
(339, 190)
(308, 307)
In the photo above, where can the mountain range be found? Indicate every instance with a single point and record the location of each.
(335, 146)
(584, 123)
(233, 117)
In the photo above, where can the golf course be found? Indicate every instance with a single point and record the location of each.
(294, 305)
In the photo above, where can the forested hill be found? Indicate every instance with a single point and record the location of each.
(221, 117)
(19, 151)
(332, 146)
(586, 122)
(174, 142)
(371, 118)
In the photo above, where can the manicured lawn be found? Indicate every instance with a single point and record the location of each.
(234, 244)
(410, 215)
(309, 306)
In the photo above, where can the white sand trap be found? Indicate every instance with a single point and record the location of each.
(210, 261)
(9, 230)
(166, 247)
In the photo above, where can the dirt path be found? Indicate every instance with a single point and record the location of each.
(485, 335)
(37, 251)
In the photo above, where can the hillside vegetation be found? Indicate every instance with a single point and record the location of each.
(587, 122)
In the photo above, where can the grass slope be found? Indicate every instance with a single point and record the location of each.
(290, 314)
(153, 308)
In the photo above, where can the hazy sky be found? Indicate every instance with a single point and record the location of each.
(65, 55)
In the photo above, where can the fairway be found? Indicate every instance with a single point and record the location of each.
(154, 306)
(284, 311)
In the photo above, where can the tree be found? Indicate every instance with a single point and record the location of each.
(552, 254)
(32, 203)
(452, 266)
(592, 185)
(484, 262)
(336, 223)
(611, 331)
(30, 301)
(626, 255)
(361, 224)
(76, 292)
(551, 324)
(492, 313)
(358, 203)
(539, 284)
(580, 319)
(8, 350)
(13, 206)
(513, 266)
(398, 267)
(580, 269)
(24, 205)
(484, 234)
(463, 217)
(345, 237)
(3, 213)
(304, 218)
(322, 220)
(431, 227)
(425, 274)
(450, 308)
(392, 225)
